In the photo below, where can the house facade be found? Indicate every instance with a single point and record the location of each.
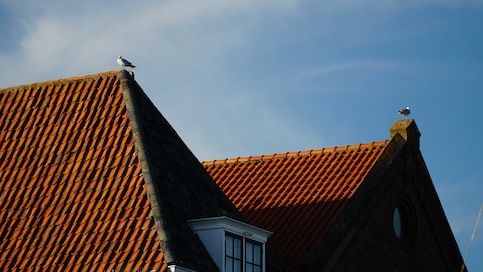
(366, 207)
(94, 178)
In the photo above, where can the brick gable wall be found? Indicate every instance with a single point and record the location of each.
(376, 237)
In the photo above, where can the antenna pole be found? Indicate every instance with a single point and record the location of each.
(472, 238)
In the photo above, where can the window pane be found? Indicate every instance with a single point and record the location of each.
(257, 254)
(229, 265)
(400, 222)
(237, 248)
(249, 252)
(257, 269)
(229, 245)
(237, 266)
(249, 268)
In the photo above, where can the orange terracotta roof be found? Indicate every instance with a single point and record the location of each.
(72, 193)
(295, 195)
(94, 178)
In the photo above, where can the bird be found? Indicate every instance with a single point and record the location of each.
(405, 112)
(124, 63)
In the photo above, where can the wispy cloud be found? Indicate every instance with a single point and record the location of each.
(60, 38)
(82, 36)
(184, 52)
(373, 66)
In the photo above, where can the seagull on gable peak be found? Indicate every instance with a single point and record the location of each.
(405, 112)
(124, 63)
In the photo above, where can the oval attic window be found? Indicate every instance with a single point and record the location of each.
(400, 222)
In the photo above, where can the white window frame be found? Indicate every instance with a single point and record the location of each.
(243, 258)
(213, 231)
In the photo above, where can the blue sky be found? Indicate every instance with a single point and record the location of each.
(240, 78)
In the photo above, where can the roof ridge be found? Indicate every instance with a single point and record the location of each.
(294, 154)
(135, 119)
(60, 81)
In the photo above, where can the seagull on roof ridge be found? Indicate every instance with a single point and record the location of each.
(405, 112)
(124, 63)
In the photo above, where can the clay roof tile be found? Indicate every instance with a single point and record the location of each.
(77, 191)
(58, 160)
(302, 191)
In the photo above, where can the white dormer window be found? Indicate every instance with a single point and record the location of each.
(233, 245)
(242, 254)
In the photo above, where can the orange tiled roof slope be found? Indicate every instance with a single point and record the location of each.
(71, 192)
(79, 190)
(295, 195)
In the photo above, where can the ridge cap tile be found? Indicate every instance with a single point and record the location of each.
(286, 155)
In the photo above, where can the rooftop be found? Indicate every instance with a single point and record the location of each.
(296, 195)
(72, 192)
(92, 176)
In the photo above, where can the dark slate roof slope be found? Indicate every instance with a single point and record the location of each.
(179, 184)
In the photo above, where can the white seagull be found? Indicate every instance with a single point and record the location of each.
(405, 112)
(124, 63)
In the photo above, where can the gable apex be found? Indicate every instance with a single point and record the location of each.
(408, 130)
